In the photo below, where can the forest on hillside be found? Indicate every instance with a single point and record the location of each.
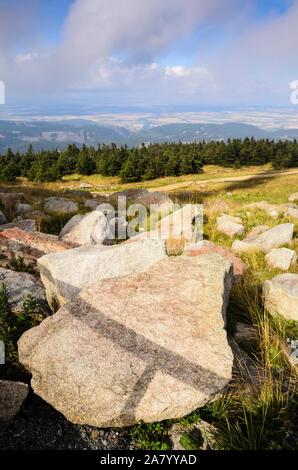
(147, 161)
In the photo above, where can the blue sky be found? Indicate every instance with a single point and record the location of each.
(149, 52)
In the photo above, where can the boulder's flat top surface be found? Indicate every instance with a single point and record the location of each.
(148, 346)
(288, 282)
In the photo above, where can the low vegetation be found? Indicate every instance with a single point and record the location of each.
(12, 326)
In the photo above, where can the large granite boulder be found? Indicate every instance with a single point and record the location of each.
(206, 247)
(273, 238)
(19, 285)
(281, 295)
(65, 274)
(15, 242)
(89, 229)
(149, 346)
(12, 399)
(60, 204)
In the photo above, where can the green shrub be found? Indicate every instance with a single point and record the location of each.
(12, 326)
(18, 264)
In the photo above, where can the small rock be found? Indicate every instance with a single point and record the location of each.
(27, 225)
(273, 238)
(281, 295)
(21, 208)
(91, 204)
(94, 434)
(293, 197)
(60, 204)
(3, 219)
(220, 206)
(244, 334)
(281, 258)
(19, 285)
(12, 398)
(231, 226)
(292, 212)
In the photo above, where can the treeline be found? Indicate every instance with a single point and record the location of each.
(147, 161)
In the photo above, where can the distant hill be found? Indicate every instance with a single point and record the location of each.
(58, 134)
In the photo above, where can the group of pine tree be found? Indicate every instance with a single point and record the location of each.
(147, 161)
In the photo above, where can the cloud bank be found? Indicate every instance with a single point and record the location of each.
(113, 49)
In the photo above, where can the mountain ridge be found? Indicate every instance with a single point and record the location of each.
(46, 135)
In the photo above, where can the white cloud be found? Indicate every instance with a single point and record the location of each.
(114, 46)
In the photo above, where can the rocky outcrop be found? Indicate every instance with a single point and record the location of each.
(281, 258)
(60, 204)
(29, 245)
(281, 295)
(207, 247)
(65, 274)
(149, 346)
(19, 285)
(12, 399)
(273, 238)
(89, 229)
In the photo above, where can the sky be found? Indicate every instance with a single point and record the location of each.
(199, 53)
